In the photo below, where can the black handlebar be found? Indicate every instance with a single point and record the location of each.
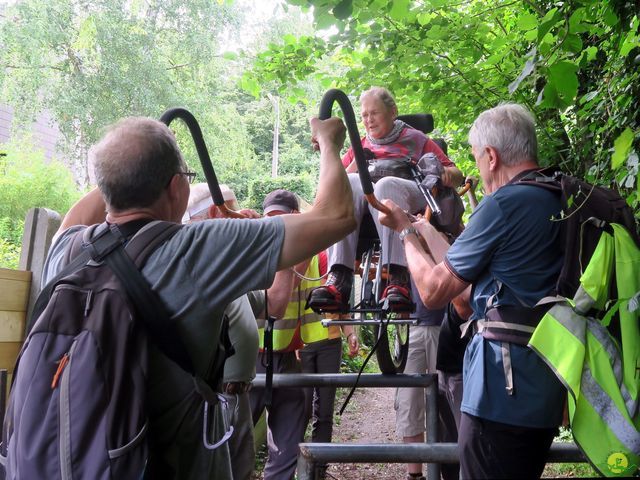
(326, 104)
(207, 167)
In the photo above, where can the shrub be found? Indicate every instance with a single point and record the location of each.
(28, 181)
(9, 254)
(300, 184)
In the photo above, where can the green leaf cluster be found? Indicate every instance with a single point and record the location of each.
(303, 185)
(574, 64)
(27, 180)
(91, 64)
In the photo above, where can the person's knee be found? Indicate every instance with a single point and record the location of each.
(387, 184)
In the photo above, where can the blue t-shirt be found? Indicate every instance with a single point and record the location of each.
(510, 252)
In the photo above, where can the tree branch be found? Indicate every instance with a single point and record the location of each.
(492, 9)
(36, 67)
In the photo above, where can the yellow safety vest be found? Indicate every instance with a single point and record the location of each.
(602, 375)
(298, 323)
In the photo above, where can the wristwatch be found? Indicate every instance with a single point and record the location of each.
(407, 231)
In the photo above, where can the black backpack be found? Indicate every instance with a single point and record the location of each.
(78, 400)
(586, 210)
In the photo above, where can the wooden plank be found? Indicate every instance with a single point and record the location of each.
(8, 354)
(14, 290)
(12, 326)
(9, 274)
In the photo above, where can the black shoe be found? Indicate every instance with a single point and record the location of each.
(398, 291)
(334, 295)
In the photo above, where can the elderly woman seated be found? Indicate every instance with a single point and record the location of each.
(387, 139)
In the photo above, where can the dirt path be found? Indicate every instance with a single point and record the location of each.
(369, 418)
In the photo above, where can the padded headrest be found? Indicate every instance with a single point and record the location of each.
(419, 121)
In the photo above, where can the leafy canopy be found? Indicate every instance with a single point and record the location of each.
(573, 63)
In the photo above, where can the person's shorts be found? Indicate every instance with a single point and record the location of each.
(410, 402)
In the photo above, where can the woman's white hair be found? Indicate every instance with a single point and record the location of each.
(383, 95)
(510, 129)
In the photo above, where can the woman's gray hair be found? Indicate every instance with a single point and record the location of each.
(383, 94)
(510, 129)
(134, 162)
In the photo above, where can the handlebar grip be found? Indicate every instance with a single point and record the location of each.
(203, 154)
(326, 104)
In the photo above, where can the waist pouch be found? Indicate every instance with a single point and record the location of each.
(511, 324)
(390, 168)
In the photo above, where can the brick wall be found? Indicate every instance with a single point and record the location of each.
(45, 132)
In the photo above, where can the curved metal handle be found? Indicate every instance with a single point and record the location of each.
(203, 154)
(326, 105)
(469, 188)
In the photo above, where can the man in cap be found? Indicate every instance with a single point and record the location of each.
(320, 351)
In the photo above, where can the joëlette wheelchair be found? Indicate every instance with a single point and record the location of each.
(391, 329)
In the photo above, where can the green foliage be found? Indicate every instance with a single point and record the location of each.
(9, 254)
(259, 188)
(574, 64)
(27, 181)
(93, 63)
(572, 470)
(354, 364)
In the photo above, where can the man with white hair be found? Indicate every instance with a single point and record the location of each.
(511, 254)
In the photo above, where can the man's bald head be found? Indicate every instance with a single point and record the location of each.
(134, 162)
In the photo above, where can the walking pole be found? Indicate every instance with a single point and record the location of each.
(203, 154)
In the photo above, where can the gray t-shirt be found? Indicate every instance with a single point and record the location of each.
(197, 273)
(243, 333)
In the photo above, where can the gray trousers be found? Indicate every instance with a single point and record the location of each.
(449, 401)
(321, 357)
(405, 193)
(240, 445)
(286, 421)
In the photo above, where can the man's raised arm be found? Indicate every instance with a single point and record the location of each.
(331, 217)
(90, 209)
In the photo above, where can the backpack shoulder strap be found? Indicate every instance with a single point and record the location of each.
(151, 310)
(548, 178)
(148, 238)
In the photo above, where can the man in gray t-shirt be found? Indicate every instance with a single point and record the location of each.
(141, 176)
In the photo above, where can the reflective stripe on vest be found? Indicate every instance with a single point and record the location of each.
(603, 383)
(295, 317)
(311, 328)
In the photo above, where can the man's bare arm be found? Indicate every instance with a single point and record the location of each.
(452, 177)
(90, 209)
(331, 217)
(279, 294)
(436, 285)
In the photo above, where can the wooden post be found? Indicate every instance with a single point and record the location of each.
(39, 227)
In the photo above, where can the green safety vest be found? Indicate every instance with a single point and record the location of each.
(602, 376)
(299, 325)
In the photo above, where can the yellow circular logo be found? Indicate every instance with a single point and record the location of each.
(617, 463)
